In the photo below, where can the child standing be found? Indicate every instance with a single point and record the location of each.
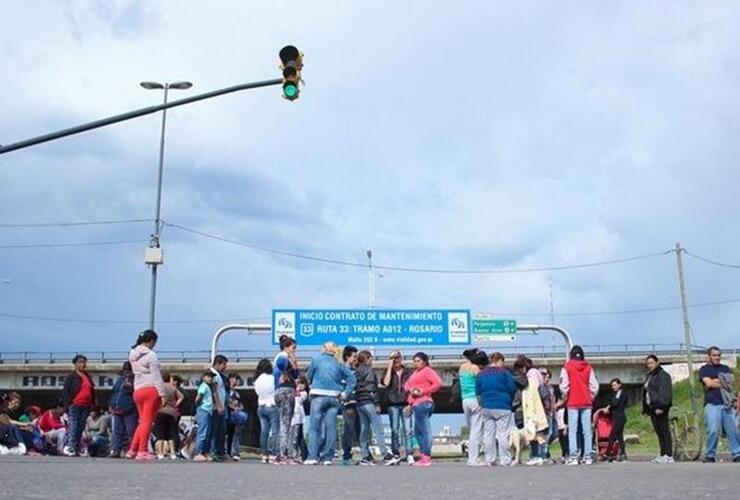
(299, 449)
(205, 401)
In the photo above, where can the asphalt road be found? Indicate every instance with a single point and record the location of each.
(73, 478)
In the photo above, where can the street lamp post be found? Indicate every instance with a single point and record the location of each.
(154, 256)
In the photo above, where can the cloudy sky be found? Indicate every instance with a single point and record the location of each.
(443, 135)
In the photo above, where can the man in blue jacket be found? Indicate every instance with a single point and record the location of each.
(331, 382)
(495, 389)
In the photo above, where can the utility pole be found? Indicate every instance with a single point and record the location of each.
(371, 278)
(154, 255)
(686, 324)
(552, 311)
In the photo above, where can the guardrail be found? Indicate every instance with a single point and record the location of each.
(305, 354)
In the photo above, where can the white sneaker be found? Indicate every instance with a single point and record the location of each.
(326, 462)
(68, 451)
(658, 460)
(667, 459)
(588, 461)
(571, 461)
(311, 462)
(410, 459)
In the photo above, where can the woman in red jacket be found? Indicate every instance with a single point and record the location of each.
(420, 386)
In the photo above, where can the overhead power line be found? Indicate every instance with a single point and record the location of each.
(75, 244)
(75, 223)
(409, 269)
(102, 321)
(710, 261)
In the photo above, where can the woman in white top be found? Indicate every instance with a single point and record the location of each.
(264, 386)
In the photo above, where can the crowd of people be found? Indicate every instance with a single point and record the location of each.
(506, 409)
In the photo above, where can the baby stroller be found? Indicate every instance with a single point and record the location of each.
(602, 429)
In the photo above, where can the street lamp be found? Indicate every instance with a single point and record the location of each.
(153, 255)
(371, 276)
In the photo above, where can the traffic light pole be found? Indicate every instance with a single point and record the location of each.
(135, 114)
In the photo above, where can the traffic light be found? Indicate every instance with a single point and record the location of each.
(291, 62)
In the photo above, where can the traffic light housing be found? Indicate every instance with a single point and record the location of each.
(291, 63)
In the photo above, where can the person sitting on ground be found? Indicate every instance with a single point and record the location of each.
(52, 428)
(96, 436)
(11, 439)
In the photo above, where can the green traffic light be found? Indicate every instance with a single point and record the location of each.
(290, 91)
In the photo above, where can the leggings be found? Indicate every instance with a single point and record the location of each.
(617, 434)
(663, 430)
(147, 403)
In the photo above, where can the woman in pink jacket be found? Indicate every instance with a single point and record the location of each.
(420, 386)
(148, 392)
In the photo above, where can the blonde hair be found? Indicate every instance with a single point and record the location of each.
(333, 349)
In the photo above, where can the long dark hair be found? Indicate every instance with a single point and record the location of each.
(286, 341)
(264, 366)
(422, 356)
(125, 368)
(146, 336)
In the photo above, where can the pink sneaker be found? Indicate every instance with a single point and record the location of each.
(130, 455)
(145, 455)
(424, 461)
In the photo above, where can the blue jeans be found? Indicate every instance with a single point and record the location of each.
(269, 429)
(77, 420)
(324, 411)
(584, 414)
(400, 428)
(204, 436)
(423, 426)
(123, 428)
(718, 418)
(369, 417)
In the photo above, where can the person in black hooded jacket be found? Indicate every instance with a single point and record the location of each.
(657, 399)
